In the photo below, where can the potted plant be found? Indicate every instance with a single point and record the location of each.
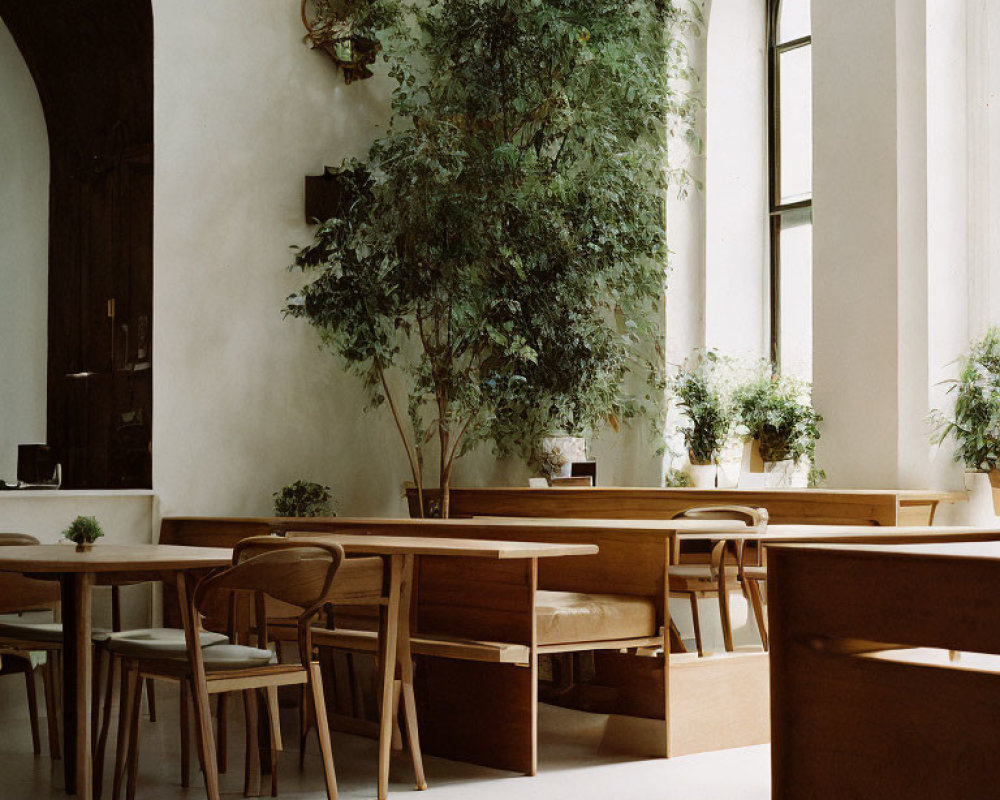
(497, 269)
(556, 454)
(84, 531)
(975, 421)
(303, 499)
(709, 416)
(777, 413)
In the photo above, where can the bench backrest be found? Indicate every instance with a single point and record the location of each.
(785, 506)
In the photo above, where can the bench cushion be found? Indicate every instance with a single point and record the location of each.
(567, 617)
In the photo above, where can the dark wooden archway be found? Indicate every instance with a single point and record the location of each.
(92, 62)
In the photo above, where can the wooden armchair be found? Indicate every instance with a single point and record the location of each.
(722, 573)
(364, 597)
(19, 640)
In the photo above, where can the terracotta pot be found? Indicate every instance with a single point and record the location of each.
(84, 547)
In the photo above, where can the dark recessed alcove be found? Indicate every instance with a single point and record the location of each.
(92, 63)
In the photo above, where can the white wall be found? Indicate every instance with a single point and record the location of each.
(244, 401)
(24, 257)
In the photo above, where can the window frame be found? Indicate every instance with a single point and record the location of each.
(776, 209)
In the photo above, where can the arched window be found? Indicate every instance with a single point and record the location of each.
(790, 184)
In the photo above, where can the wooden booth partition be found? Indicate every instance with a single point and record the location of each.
(884, 666)
(484, 710)
(785, 506)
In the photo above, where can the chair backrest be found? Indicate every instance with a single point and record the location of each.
(19, 593)
(17, 539)
(360, 581)
(298, 575)
(754, 517)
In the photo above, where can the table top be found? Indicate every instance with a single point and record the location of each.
(546, 525)
(848, 534)
(62, 558)
(372, 544)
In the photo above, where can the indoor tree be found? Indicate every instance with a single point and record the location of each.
(498, 267)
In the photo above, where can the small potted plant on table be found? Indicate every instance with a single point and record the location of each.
(975, 423)
(84, 531)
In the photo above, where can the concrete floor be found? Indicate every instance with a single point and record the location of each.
(570, 767)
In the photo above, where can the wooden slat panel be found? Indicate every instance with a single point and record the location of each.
(865, 728)
(916, 600)
(476, 599)
(845, 725)
(478, 712)
(806, 506)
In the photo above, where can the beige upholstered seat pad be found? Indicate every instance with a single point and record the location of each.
(566, 617)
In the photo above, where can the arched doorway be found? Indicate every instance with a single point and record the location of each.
(92, 63)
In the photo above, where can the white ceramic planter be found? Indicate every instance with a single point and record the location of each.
(702, 475)
(779, 474)
(984, 498)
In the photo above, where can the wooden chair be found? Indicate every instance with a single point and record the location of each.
(362, 586)
(722, 573)
(19, 640)
(300, 576)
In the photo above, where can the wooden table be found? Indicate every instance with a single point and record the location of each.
(867, 698)
(471, 727)
(76, 573)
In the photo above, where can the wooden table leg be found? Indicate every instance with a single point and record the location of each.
(387, 661)
(77, 667)
(405, 659)
(199, 690)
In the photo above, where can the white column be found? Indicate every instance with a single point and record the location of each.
(855, 259)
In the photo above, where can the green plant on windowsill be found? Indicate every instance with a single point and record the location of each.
(776, 411)
(303, 499)
(84, 531)
(975, 421)
(676, 479)
(710, 413)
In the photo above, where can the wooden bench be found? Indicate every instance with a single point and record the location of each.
(785, 506)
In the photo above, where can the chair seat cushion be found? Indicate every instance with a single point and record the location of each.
(567, 617)
(170, 636)
(216, 656)
(42, 632)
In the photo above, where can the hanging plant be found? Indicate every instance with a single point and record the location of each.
(341, 28)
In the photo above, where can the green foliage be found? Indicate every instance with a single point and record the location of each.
(975, 424)
(777, 411)
(709, 410)
(503, 257)
(303, 499)
(84, 530)
(676, 479)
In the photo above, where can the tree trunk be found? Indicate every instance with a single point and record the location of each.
(445, 493)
